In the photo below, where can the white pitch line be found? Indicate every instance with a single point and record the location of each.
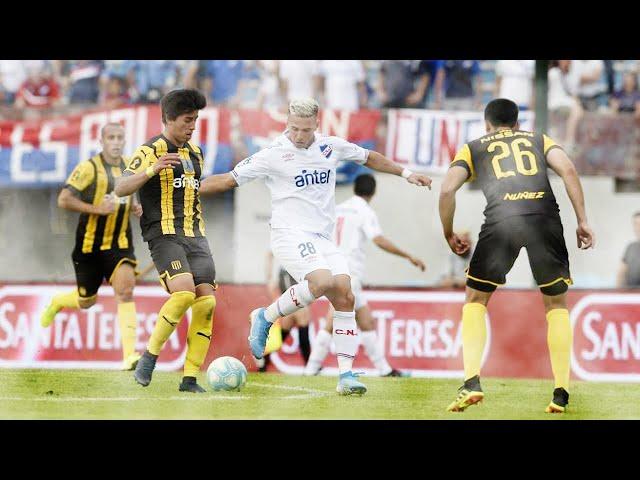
(308, 393)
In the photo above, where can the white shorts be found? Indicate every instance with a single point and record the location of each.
(356, 289)
(301, 253)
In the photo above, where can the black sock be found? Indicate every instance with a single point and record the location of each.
(285, 334)
(305, 346)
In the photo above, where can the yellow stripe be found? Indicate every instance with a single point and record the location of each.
(483, 281)
(110, 225)
(568, 281)
(92, 223)
(123, 241)
(166, 190)
(189, 195)
(199, 215)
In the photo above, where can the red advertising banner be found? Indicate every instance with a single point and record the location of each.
(419, 330)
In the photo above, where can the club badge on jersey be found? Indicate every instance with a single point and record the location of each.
(326, 150)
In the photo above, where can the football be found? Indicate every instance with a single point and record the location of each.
(226, 373)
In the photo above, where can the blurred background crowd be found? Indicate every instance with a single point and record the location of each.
(31, 88)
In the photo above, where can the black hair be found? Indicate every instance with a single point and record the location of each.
(365, 185)
(179, 102)
(637, 214)
(501, 113)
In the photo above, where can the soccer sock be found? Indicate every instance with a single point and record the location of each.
(374, 351)
(285, 334)
(168, 318)
(128, 322)
(345, 336)
(474, 336)
(66, 300)
(319, 351)
(305, 346)
(199, 335)
(295, 298)
(559, 339)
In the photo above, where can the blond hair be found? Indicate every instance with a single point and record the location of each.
(304, 107)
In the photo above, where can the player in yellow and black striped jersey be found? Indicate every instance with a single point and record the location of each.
(166, 172)
(510, 166)
(104, 248)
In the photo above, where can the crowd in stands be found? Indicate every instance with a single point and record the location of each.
(575, 86)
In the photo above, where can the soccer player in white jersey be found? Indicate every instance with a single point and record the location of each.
(357, 222)
(299, 168)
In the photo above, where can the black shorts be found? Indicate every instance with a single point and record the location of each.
(499, 245)
(285, 281)
(92, 268)
(175, 255)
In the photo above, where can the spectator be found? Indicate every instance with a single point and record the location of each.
(153, 78)
(562, 100)
(343, 84)
(515, 81)
(39, 90)
(456, 275)
(403, 83)
(121, 69)
(627, 99)
(12, 74)
(115, 93)
(629, 270)
(84, 76)
(588, 78)
(457, 85)
(269, 91)
(222, 81)
(299, 78)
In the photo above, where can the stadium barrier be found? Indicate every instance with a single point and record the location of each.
(420, 331)
(42, 153)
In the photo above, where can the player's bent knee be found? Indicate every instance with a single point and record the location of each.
(124, 294)
(557, 288)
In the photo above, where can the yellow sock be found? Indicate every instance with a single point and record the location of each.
(128, 322)
(168, 318)
(474, 336)
(199, 335)
(560, 339)
(274, 340)
(65, 300)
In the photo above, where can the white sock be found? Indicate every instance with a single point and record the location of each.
(295, 298)
(345, 337)
(319, 351)
(374, 351)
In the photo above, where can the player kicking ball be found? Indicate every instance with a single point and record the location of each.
(299, 168)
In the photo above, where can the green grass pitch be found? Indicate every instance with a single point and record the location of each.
(86, 394)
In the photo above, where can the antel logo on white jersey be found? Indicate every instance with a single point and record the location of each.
(606, 337)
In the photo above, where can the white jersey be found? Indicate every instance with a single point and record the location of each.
(302, 181)
(356, 223)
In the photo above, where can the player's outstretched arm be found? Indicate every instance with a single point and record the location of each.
(453, 180)
(217, 184)
(388, 246)
(563, 166)
(131, 182)
(377, 161)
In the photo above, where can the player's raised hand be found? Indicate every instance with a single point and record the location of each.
(107, 206)
(585, 236)
(418, 263)
(166, 161)
(457, 245)
(420, 180)
(136, 209)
